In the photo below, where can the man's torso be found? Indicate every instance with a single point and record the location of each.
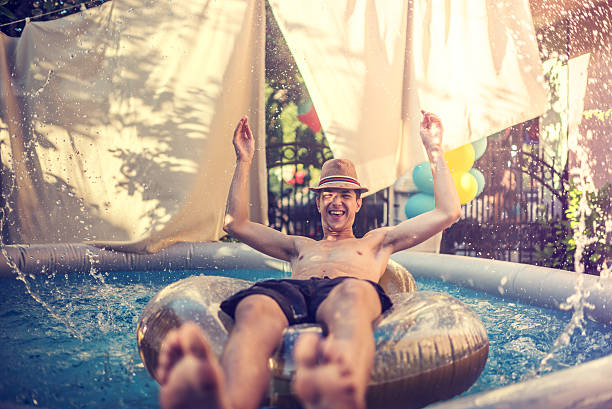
(362, 258)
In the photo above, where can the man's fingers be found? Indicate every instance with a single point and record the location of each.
(426, 119)
(246, 128)
(248, 131)
(430, 119)
(239, 126)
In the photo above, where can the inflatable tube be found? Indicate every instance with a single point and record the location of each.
(429, 346)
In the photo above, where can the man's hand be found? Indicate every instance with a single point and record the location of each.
(244, 143)
(431, 130)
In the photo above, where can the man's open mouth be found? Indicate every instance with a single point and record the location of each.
(336, 212)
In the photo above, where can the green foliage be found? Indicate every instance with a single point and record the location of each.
(294, 153)
(560, 248)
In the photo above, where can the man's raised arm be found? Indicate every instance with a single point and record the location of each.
(447, 208)
(237, 223)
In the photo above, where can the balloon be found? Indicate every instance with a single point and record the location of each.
(418, 204)
(308, 115)
(304, 107)
(466, 185)
(480, 146)
(422, 177)
(461, 159)
(480, 179)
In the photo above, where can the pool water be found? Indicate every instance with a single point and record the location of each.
(78, 350)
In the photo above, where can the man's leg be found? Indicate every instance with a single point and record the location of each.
(258, 330)
(191, 376)
(334, 372)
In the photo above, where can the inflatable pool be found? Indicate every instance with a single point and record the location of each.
(583, 386)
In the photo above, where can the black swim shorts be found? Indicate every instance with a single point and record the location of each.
(299, 299)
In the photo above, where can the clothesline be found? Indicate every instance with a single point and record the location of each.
(82, 6)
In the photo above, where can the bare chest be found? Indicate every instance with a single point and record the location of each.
(349, 257)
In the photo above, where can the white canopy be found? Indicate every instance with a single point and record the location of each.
(371, 66)
(117, 122)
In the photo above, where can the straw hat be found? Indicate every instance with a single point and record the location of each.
(339, 174)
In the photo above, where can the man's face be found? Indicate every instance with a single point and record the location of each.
(338, 208)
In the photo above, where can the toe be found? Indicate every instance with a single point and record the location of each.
(331, 353)
(307, 350)
(170, 353)
(193, 341)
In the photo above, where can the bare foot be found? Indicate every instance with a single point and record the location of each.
(324, 377)
(189, 372)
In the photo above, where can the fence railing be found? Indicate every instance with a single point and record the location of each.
(508, 220)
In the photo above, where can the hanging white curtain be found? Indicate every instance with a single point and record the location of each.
(371, 66)
(117, 122)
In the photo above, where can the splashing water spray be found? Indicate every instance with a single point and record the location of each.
(66, 321)
(577, 302)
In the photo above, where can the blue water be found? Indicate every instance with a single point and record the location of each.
(79, 349)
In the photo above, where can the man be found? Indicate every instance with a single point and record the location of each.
(334, 283)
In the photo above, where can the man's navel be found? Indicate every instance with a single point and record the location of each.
(360, 253)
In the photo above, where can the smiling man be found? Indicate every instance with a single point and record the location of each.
(334, 282)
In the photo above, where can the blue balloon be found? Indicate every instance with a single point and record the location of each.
(418, 204)
(480, 146)
(422, 177)
(479, 178)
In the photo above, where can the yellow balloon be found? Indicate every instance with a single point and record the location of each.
(467, 186)
(461, 159)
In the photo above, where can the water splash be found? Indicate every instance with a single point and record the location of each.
(577, 303)
(70, 326)
(21, 276)
(582, 178)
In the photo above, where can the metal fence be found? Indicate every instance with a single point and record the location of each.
(507, 221)
(523, 196)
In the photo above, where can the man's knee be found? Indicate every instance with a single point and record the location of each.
(351, 294)
(261, 311)
(356, 290)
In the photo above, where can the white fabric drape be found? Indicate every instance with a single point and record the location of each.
(371, 66)
(117, 121)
